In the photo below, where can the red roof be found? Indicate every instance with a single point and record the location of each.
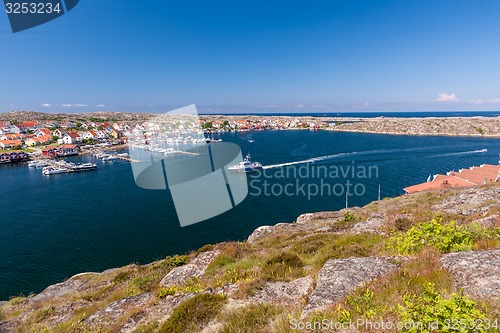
(467, 177)
(69, 146)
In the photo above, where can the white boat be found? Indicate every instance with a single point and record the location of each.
(33, 164)
(246, 165)
(47, 171)
(41, 165)
(251, 141)
(110, 158)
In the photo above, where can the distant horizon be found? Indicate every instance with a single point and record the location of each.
(260, 113)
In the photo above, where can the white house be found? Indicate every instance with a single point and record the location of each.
(57, 132)
(101, 135)
(71, 137)
(89, 135)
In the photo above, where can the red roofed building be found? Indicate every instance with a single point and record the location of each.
(466, 177)
(9, 144)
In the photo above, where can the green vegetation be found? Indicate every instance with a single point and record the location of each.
(193, 314)
(444, 237)
(207, 125)
(349, 216)
(285, 266)
(434, 312)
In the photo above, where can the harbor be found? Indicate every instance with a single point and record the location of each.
(52, 167)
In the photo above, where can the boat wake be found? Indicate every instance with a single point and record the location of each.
(368, 152)
(470, 152)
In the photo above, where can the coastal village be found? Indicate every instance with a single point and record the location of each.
(54, 136)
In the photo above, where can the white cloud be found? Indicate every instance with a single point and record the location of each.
(46, 105)
(271, 106)
(488, 101)
(445, 97)
(74, 105)
(299, 106)
(366, 104)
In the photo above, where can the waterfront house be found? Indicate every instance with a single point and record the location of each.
(49, 151)
(68, 150)
(13, 157)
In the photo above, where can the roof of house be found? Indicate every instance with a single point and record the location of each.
(69, 146)
(73, 135)
(11, 142)
(466, 177)
(29, 124)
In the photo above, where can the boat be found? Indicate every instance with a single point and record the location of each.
(109, 158)
(47, 171)
(251, 141)
(84, 167)
(33, 164)
(41, 165)
(246, 165)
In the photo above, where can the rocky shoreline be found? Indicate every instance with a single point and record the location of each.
(287, 273)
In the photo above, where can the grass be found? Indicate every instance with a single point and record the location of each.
(254, 318)
(193, 314)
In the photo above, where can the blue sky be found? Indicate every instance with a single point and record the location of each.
(260, 56)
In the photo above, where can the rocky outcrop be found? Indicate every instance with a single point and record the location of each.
(117, 309)
(259, 234)
(471, 201)
(159, 311)
(372, 224)
(57, 290)
(478, 272)
(293, 292)
(456, 126)
(304, 218)
(339, 277)
(195, 269)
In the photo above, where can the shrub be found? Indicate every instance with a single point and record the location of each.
(175, 261)
(433, 313)
(446, 238)
(349, 216)
(283, 267)
(193, 314)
